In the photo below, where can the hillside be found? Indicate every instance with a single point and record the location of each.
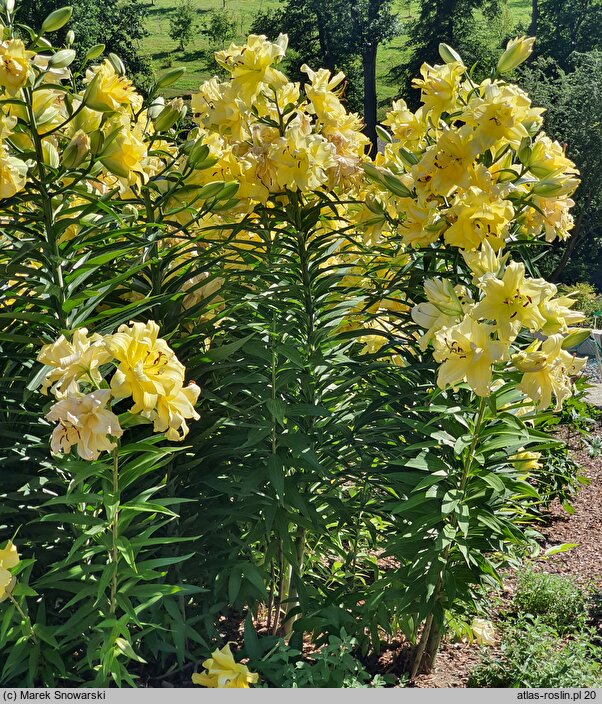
(197, 57)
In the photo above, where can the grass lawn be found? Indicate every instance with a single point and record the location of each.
(165, 54)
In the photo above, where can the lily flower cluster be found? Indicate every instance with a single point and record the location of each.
(269, 135)
(9, 558)
(93, 134)
(471, 165)
(473, 336)
(223, 672)
(144, 368)
(470, 171)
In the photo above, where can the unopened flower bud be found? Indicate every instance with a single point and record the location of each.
(51, 155)
(77, 150)
(517, 51)
(170, 114)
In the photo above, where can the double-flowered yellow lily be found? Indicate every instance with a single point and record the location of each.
(222, 671)
(148, 368)
(85, 421)
(9, 558)
(467, 353)
(547, 371)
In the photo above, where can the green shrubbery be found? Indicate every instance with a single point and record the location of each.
(545, 640)
(532, 655)
(554, 600)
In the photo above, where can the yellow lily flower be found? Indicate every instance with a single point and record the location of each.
(73, 361)
(512, 301)
(467, 353)
(85, 421)
(14, 65)
(172, 410)
(547, 370)
(148, 367)
(107, 90)
(222, 671)
(251, 65)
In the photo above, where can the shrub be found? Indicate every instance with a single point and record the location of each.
(587, 298)
(332, 665)
(532, 655)
(554, 599)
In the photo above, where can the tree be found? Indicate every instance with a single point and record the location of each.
(456, 23)
(118, 25)
(182, 25)
(563, 28)
(219, 28)
(573, 102)
(373, 23)
(342, 35)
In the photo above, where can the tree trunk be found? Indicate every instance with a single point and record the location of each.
(369, 66)
(323, 37)
(534, 18)
(568, 250)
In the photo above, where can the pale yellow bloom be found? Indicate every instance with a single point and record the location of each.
(124, 154)
(439, 87)
(526, 461)
(467, 353)
(13, 174)
(443, 308)
(222, 671)
(483, 631)
(14, 65)
(547, 370)
(85, 421)
(558, 313)
(447, 165)
(477, 217)
(512, 301)
(251, 64)
(172, 411)
(108, 91)
(552, 216)
(547, 158)
(7, 582)
(321, 91)
(484, 261)
(219, 108)
(73, 361)
(500, 114)
(422, 223)
(408, 127)
(148, 368)
(9, 558)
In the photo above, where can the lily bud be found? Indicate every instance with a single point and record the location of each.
(517, 51)
(77, 150)
(51, 155)
(449, 55)
(170, 114)
(155, 108)
(57, 19)
(529, 362)
(552, 187)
